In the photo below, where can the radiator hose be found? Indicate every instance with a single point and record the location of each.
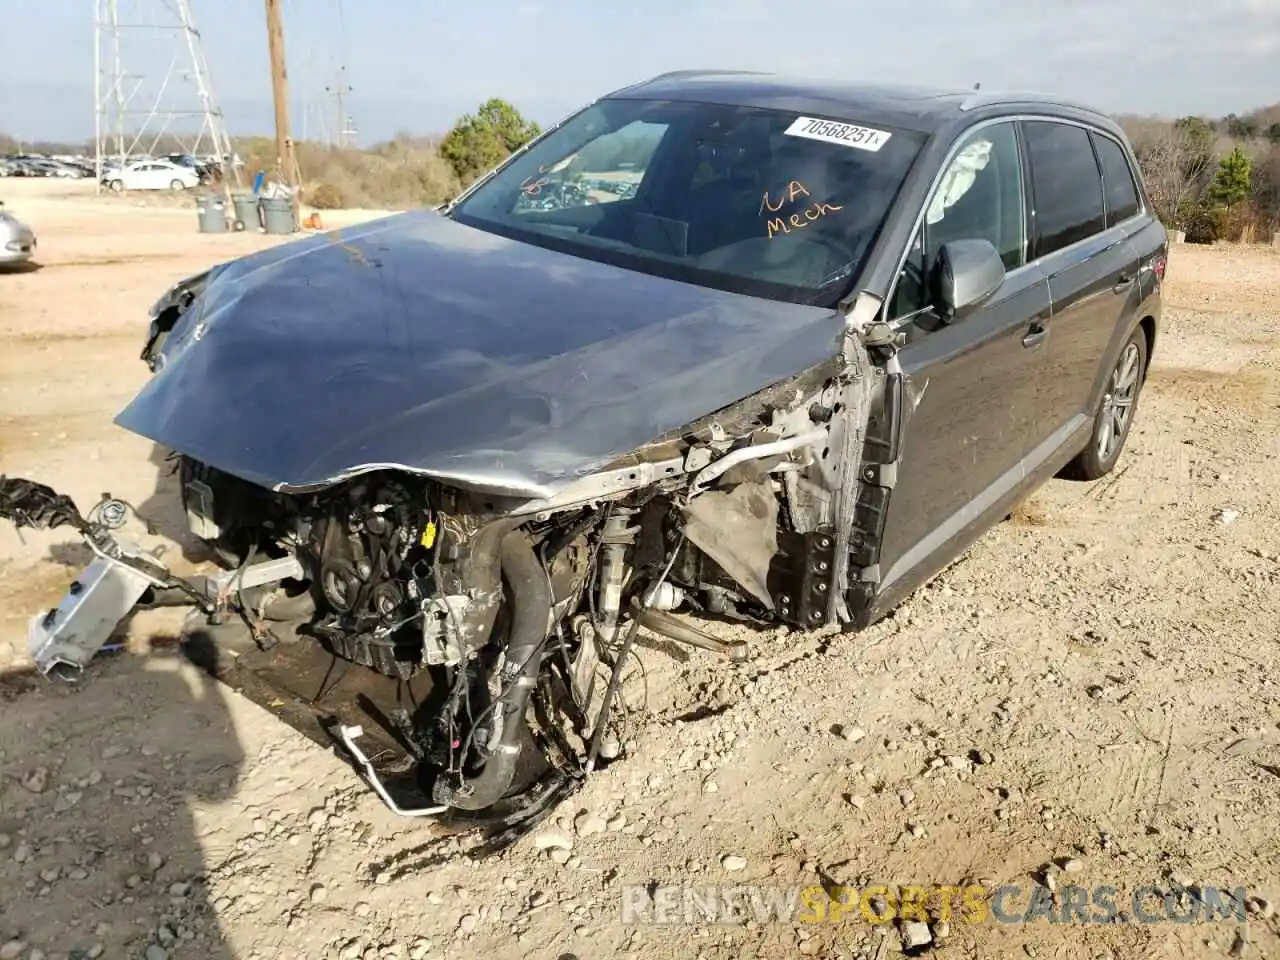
(530, 613)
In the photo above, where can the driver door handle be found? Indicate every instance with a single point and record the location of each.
(1036, 335)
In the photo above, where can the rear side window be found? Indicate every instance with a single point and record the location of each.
(1117, 180)
(1066, 185)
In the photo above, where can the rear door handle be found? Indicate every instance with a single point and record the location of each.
(1123, 281)
(1036, 335)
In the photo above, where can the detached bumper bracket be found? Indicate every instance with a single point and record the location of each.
(63, 640)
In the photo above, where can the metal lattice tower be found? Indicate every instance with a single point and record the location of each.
(137, 111)
(345, 126)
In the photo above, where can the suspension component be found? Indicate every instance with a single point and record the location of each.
(616, 537)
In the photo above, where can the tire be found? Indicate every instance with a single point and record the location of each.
(177, 185)
(1112, 422)
(117, 186)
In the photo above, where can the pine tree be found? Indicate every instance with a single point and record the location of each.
(1231, 184)
(479, 142)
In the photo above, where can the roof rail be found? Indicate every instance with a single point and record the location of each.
(706, 72)
(987, 98)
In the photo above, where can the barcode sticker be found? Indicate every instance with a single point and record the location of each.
(833, 131)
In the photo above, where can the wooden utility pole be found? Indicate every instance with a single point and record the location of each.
(280, 94)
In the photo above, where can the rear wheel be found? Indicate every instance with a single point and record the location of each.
(177, 185)
(1115, 414)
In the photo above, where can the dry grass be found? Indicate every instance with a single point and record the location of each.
(396, 175)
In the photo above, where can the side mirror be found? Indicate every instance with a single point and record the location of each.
(965, 273)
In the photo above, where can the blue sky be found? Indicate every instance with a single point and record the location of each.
(416, 64)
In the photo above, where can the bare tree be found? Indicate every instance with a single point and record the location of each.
(1175, 161)
(1266, 188)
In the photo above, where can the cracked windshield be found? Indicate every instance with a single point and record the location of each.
(764, 202)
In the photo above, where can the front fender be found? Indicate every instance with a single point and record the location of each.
(164, 313)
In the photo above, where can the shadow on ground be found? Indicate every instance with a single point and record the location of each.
(103, 852)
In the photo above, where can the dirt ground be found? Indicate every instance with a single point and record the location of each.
(1094, 685)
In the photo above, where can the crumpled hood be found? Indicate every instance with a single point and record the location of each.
(420, 343)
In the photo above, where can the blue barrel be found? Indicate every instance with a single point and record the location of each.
(277, 215)
(211, 211)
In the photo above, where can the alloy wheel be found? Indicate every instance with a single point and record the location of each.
(1117, 404)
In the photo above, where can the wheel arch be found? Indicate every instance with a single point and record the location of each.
(1148, 326)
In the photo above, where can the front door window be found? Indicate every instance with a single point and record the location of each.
(978, 197)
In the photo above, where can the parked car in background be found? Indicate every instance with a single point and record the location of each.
(202, 169)
(151, 175)
(19, 165)
(62, 169)
(17, 240)
(80, 166)
(24, 167)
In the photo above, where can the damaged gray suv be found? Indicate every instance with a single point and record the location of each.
(744, 346)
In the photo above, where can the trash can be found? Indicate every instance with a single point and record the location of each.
(277, 215)
(247, 216)
(212, 212)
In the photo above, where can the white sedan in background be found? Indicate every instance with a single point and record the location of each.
(151, 175)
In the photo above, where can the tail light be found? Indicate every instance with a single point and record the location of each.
(1158, 265)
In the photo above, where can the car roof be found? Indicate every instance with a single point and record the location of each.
(922, 109)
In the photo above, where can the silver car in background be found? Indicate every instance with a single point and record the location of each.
(17, 240)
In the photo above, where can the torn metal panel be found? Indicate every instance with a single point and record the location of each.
(849, 432)
(808, 501)
(738, 529)
(419, 343)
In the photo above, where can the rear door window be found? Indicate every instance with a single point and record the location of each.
(1117, 180)
(1066, 185)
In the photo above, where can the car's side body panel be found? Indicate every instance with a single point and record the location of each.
(970, 408)
(966, 457)
(950, 539)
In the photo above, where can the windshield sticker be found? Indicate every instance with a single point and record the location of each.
(844, 134)
(794, 195)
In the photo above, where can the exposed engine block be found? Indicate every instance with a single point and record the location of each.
(373, 551)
